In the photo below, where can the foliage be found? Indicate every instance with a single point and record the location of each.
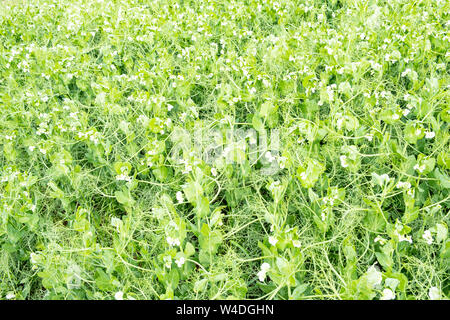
(105, 192)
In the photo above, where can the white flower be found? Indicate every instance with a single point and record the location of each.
(391, 283)
(344, 163)
(282, 162)
(116, 222)
(272, 240)
(123, 177)
(214, 172)
(187, 168)
(418, 132)
(34, 258)
(328, 200)
(296, 243)
(273, 185)
(173, 225)
(406, 72)
(369, 137)
(395, 116)
(429, 134)
(434, 293)
(428, 237)
(419, 168)
(405, 112)
(169, 106)
(118, 295)
(180, 197)
(385, 178)
(388, 294)
(10, 296)
(374, 276)
(180, 262)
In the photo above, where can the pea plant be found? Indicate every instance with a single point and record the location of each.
(258, 149)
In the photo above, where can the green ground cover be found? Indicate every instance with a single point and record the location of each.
(224, 149)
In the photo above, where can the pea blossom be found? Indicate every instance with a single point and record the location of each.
(118, 295)
(273, 241)
(428, 237)
(344, 162)
(265, 267)
(388, 294)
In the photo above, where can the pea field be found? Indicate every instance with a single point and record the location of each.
(224, 149)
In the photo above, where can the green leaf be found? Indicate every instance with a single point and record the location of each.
(349, 250)
(121, 197)
(265, 250)
(122, 167)
(193, 190)
(445, 253)
(298, 291)
(413, 132)
(200, 285)
(14, 235)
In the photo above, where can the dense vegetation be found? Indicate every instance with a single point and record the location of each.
(235, 149)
